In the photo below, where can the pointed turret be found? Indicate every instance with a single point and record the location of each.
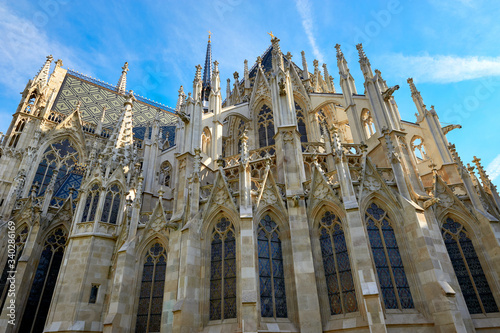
(207, 70)
(417, 98)
(121, 87)
(482, 174)
(228, 92)
(43, 74)
(364, 62)
(101, 121)
(346, 79)
(276, 53)
(180, 99)
(328, 79)
(305, 72)
(197, 84)
(246, 75)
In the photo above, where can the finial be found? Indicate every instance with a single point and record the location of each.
(339, 51)
(209, 36)
(271, 34)
(198, 72)
(315, 64)
(59, 63)
(259, 61)
(361, 52)
(236, 76)
(288, 56)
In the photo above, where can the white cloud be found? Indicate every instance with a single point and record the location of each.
(24, 48)
(493, 169)
(442, 68)
(304, 9)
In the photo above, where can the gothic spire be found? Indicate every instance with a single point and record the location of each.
(43, 74)
(122, 82)
(207, 69)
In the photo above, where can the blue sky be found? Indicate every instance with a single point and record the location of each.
(449, 47)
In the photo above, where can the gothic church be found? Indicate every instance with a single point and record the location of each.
(288, 206)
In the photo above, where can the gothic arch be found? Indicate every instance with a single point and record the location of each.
(395, 221)
(339, 290)
(418, 148)
(208, 273)
(471, 264)
(368, 123)
(206, 141)
(151, 278)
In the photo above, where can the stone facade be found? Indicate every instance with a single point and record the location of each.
(286, 207)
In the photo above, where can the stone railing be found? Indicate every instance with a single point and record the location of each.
(313, 148)
(56, 117)
(88, 127)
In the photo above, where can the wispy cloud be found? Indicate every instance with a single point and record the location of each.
(493, 169)
(442, 68)
(304, 9)
(23, 50)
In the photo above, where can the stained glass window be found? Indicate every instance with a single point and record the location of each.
(301, 122)
(390, 270)
(271, 273)
(223, 271)
(338, 276)
(151, 294)
(470, 275)
(60, 156)
(90, 207)
(20, 242)
(265, 125)
(44, 282)
(111, 205)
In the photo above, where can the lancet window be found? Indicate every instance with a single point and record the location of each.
(338, 275)
(111, 207)
(20, 241)
(265, 126)
(367, 120)
(468, 269)
(44, 282)
(166, 174)
(388, 263)
(90, 207)
(271, 272)
(151, 294)
(417, 145)
(301, 123)
(206, 139)
(59, 160)
(223, 271)
(17, 133)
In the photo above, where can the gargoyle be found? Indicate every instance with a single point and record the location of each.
(388, 93)
(184, 117)
(430, 202)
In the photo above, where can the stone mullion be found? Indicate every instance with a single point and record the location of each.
(151, 292)
(470, 274)
(44, 283)
(269, 235)
(389, 264)
(337, 270)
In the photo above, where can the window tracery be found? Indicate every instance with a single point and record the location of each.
(301, 123)
(388, 263)
(151, 293)
(468, 269)
(111, 207)
(417, 145)
(206, 139)
(90, 207)
(44, 281)
(165, 177)
(223, 271)
(17, 133)
(265, 124)
(271, 272)
(338, 275)
(62, 159)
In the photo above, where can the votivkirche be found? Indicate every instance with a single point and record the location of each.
(292, 205)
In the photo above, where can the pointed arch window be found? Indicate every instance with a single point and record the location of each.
(367, 120)
(338, 275)
(111, 207)
(301, 123)
(60, 158)
(13, 258)
(417, 145)
(388, 263)
(467, 267)
(90, 207)
(151, 293)
(165, 177)
(265, 125)
(271, 272)
(206, 139)
(17, 133)
(223, 271)
(44, 282)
